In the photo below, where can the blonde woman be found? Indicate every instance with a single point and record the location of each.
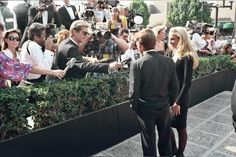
(115, 23)
(159, 32)
(186, 60)
(62, 35)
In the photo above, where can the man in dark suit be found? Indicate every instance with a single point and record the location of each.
(153, 88)
(21, 12)
(69, 48)
(68, 14)
(45, 13)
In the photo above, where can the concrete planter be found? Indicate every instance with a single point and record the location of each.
(81, 136)
(207, 86)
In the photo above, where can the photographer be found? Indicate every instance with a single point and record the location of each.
(45, 13)
(101, 40)
(37, 51)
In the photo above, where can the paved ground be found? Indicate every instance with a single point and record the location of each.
(209, 127)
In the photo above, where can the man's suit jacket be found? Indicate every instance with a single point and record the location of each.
(33, 17)
(67, 50)
(65, 17)
(153, 81)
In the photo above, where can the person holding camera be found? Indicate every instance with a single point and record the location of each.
(12, 71)
(68, 14)
(69, 48)
(37, 51)
(45, 13)
(100, 13)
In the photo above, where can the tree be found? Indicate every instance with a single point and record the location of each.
(140, 7)
(182, 11)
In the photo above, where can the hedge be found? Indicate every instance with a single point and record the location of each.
(57, 101)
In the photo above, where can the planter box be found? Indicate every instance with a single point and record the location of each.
(81, 136)
(94, 132)
(208, 86)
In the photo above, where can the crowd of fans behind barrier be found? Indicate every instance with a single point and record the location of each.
(110, 37)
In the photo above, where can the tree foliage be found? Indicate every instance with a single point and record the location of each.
(140, 7)
(182, 11)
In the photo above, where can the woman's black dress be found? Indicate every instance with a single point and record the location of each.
(184, 69)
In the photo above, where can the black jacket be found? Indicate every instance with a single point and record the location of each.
(67, 50)
(153, 81)
(65, 17)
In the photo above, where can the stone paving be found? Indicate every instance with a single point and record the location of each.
(210, 132)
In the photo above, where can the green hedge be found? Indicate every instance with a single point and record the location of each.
(55, 102)
(58, 101)
(209, 65)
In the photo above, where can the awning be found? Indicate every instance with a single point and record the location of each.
(228, 25)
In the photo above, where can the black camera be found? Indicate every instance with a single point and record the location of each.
(54, 40)
(100, 43)
(89, 13)
(130, 18)
(45, 5)
(50, 30)
(104, 34)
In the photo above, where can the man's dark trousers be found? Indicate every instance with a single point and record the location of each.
(149, 117)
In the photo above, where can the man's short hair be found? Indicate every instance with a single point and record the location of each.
(123, 30)
(35, 29)
(147, 38)
(78, 24)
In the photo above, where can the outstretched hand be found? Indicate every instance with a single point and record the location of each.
(114, 65)
(59, 73)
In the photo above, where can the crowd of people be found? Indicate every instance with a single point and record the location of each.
(160, 73)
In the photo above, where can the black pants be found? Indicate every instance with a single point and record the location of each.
(148, 118)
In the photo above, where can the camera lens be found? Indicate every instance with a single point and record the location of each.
(107, 35)
(54, 40)
(89, 13)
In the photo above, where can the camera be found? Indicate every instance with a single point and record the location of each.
(45, 5)
(54, 40)
(89, 13)
(50, 30)
(100, 43)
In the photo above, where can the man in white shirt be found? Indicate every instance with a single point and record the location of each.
(32, 50)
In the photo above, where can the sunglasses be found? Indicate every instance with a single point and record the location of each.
(85, 33)
(14, 38)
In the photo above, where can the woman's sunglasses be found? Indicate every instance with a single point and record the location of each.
(14, 38)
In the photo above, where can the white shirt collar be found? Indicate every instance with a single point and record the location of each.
(148, 51)
(73, 41)
(9, 54)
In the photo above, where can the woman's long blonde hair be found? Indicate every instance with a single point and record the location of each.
(185, 46)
